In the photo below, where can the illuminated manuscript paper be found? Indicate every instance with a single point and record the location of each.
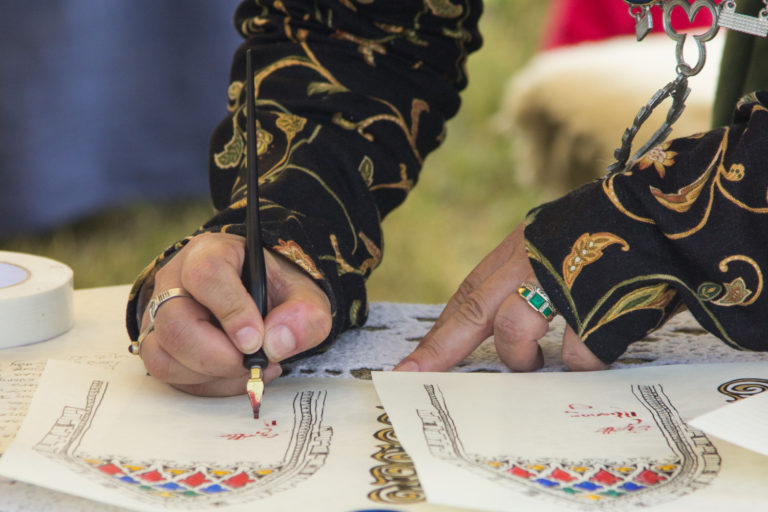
(122, 437)
(606, 441)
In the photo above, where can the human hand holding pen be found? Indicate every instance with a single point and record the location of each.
(198, 343)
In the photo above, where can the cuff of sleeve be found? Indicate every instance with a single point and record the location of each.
(597, 271)
(144, 286)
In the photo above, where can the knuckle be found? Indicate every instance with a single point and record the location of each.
(320, 321)
(473, 311)
(207, 258)
(430, 350)
(235, 309)
(199, 274)
(316, 323)
(510, 327)
(520, 325)
(172, 335)
(467, 286)
(163, 272)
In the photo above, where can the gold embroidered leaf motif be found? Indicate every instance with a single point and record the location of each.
(355, 310)
(263, 140)
(444, 8)
(324, 88)
(682, 200)
(708, 291)
(418, 107)
(230, 156)
(648, 297)
(736, 293)
(233, 93)
(341, 264)
(373, 250)
(586, 250)
(296, 254)
(290, 124)
(366, 170)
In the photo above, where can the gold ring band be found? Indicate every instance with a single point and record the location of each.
(537, 299)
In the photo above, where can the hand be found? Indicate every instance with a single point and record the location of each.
(198, 342)
(487, 303)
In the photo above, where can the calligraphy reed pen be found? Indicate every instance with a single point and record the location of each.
(254, 270)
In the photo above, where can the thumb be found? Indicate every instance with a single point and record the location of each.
(299, 317)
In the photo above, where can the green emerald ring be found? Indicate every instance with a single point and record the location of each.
(537, 299)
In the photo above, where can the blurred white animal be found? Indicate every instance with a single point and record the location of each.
(565, 111)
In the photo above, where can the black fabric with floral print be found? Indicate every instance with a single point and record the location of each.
(683, 226)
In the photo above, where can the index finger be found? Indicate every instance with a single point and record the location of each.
(211, 273)
(185, 348)
(468, 324)
(491, 263)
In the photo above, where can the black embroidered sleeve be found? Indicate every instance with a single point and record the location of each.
(684, 226)
(351, 96)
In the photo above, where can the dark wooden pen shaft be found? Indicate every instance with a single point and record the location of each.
(254, 268)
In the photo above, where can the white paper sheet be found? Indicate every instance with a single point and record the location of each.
(615, 440)
(744, 423)
(123, 438)
(98, 338)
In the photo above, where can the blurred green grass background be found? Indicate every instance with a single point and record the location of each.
(466, 201)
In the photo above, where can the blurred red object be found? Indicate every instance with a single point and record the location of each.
(575, 21)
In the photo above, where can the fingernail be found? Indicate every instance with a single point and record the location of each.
(279, 343)
(407, 366)
(248, 340)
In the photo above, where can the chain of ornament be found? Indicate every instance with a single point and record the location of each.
(723, 16)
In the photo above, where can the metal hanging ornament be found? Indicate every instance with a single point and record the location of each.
(677, 89)
(723, 16)
(730, 19)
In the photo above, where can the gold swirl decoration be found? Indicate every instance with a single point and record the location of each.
(738, 389)
(395, 478)
(736, 292)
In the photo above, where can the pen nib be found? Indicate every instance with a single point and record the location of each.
(255, 390)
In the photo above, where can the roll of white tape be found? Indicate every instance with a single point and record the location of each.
(36, 299)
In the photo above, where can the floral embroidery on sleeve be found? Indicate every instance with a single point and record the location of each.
(692, 234)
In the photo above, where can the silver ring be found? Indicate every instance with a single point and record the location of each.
(154, 304)
(159, 299)
(537, 299)
(135, 346)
